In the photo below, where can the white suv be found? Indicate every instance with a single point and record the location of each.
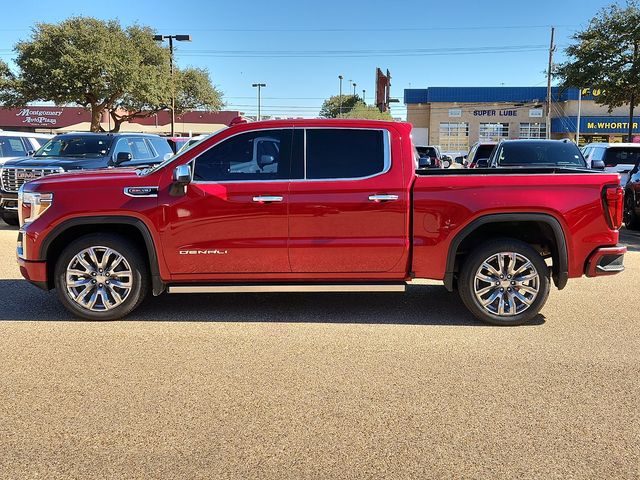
(20, 144)
(617, 157)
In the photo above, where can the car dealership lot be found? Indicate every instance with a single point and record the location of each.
(321, 385)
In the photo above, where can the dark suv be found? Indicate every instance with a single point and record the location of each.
(78, 151)
(536, 153)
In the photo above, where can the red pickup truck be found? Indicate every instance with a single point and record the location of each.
(316, 205)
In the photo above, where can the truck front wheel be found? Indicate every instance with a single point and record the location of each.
(101, 277)
(504, 282)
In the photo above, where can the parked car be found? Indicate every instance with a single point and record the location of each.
(77, 151)
(478, 151)
(176, 143)
(20, 144)
(316, 205)
(617, 157)
(632, 200)
(432, 152)
(191, 141)
(535, 153)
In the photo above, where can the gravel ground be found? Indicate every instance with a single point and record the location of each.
(321, 386)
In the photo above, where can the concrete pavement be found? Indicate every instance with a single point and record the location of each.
(321, 386)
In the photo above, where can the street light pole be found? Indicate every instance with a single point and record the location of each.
(354, 89)
(259, 85)
(340, 77)
(179, 38)
(364, 98)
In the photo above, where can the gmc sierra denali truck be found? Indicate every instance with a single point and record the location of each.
(316, 205)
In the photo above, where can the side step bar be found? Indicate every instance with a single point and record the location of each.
(348, 287)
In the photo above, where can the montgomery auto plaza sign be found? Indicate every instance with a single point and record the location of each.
(42, 117)
(36, 116)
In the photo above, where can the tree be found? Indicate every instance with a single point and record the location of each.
(368, 112)
(337, 106)
(193, 91)
(101, 66)
(605, 56)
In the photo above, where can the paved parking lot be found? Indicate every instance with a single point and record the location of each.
(321, 386)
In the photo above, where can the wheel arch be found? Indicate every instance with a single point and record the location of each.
(540, 225)
(134, 228)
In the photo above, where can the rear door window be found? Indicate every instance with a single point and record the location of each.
(615, 156)
(345, 153)
(12, 147)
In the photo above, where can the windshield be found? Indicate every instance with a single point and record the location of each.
(484, 151)
(427, 152)
(93, 146)
(189, 146)
(526, 153)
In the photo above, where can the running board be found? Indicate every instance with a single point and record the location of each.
(389, 287)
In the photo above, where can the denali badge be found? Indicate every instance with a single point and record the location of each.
(25, 175)
(215, 251)
(141, 191)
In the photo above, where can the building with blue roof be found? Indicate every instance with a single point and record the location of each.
(457, 117)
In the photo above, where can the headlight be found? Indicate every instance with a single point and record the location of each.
(32, 204)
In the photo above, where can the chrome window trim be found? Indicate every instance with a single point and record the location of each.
(386, 140)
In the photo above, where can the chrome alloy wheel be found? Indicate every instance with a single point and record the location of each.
(506, 284)
(98, 279)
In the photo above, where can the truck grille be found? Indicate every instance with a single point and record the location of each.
(14, 178)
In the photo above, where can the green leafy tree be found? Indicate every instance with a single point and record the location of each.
(101, 66)
(339, 106)
(368, 112)
(194, 91)
(605, 56)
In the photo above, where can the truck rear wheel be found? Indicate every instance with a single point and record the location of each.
(631, 220)
(504, 282)
(101, 277)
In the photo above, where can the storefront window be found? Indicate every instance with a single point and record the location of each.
(454, 136)
(533, 130)
(493, 132)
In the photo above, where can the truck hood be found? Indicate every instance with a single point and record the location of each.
(84, 178)
(68, 163)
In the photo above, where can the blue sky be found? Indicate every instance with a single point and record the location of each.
(298, 48)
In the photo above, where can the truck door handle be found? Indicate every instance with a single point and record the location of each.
(267, 199)
(383, 198)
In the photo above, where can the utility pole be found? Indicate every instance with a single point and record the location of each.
(340, 77)
(633, 97)
(259, 85)
(551, 49)
(579, 115)
(179, 38)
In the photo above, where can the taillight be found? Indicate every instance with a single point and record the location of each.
(613, 199)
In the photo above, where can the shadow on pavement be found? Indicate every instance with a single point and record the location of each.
(631, 239)
(420, 305)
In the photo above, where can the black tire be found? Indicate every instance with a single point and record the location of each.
(467, 283)
(631, 220)
(139, 279)
(10, 218)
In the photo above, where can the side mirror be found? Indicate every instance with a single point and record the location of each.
(482, 163)
(425, 162)
(597, 164)
(181, 178)
(122, 157)
(31, 153)
(459, 160)
(265, 160)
